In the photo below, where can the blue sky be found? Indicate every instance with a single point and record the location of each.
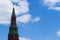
(36, 19)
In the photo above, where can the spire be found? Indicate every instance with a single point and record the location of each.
(13, 12)
(13, 26)
(13, 17)
(13, 29)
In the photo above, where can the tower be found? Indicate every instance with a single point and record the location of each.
(13, 29)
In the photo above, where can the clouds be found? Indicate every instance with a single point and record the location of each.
(6, 9)
(27, 18)
(52, 4)
(21, 7)
(24, 18)
(58, 33)
(36, 19)
(23, 38)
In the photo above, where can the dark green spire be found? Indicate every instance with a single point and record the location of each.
(13, 26)
(13, 12)
(13, 17)
(13, 29)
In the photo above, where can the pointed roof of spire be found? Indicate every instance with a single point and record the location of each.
(13, 12)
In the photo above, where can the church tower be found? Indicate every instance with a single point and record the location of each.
(13, 29)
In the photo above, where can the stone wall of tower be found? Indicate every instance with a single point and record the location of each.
(13, 37)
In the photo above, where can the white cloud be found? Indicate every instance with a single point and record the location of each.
(36, 19)
(27, 18)
(21, 7)
(6, 9)
(23, 38)
(58, 33)
(24, 18)
(52, 4)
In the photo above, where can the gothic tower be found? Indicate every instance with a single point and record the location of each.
(13, 29)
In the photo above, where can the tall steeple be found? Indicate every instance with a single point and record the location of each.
(13, 29)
